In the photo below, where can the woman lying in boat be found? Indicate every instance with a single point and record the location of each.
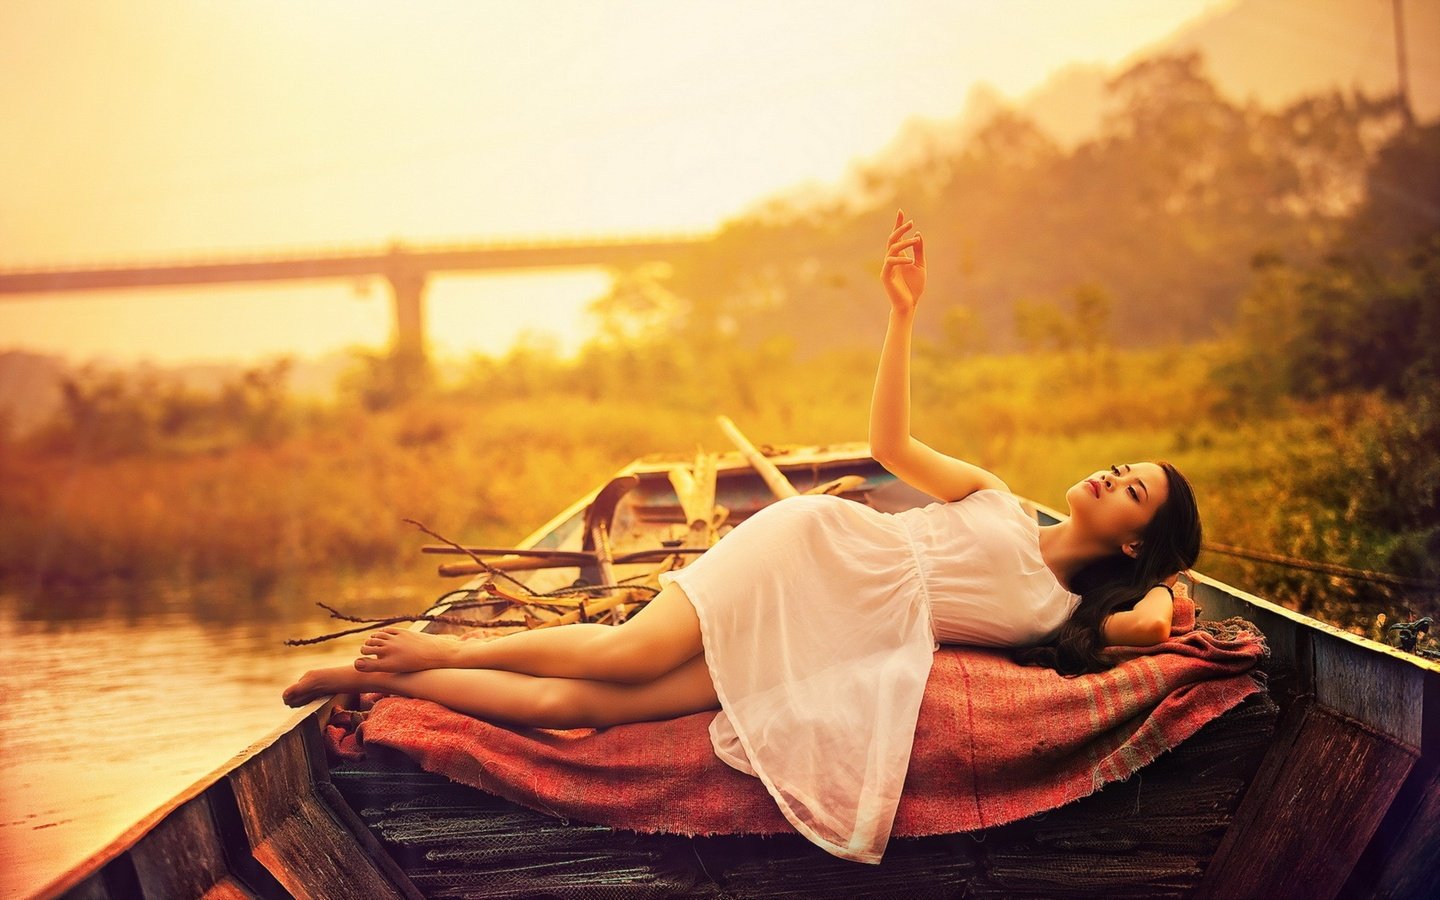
(812, 625)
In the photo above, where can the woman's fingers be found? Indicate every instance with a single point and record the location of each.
(895, 254)
(895, 248)
(919, 249)
(899, 231)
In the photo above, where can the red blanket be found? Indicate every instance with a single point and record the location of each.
(995, 742)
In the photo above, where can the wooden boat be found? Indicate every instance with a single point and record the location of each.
(1324, 786)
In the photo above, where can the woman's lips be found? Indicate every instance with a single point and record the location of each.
(1094, 486)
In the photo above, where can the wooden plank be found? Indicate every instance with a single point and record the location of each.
(1391, 690)
(774, 479)
(292, 832)
(1253, 803)
(347, 817)
(1406, 856)
(110, 871)
(1309, 826)
(184, 856)
(230, 825)
(1382, 691)
(91, 888)
(598, 517)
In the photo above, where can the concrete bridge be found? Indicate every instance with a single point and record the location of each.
(407, 268)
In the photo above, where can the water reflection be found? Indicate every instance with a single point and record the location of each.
(118, 698)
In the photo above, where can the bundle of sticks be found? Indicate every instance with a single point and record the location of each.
(611, 600)
(603, 596)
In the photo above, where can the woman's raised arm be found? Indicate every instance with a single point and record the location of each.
(891, 443)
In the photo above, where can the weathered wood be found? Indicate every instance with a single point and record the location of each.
(238, 857)
(843, 484)
(1253, 803)
(92, 888)
(770, 473)
(1392, 690)
(695, 488)
(530, 553)
(510, 564)
(1304, 831)
(598, 516)
(184, 856)
(1404, 859)
(292, 832)
(1382, 690)
(561, 561)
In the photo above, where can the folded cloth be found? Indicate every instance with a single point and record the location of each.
(995, 742)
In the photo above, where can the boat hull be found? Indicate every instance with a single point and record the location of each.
(1325, 785)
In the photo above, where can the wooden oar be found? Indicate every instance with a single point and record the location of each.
(519, 564)
(839, 485)
(542, 553)
(511, 564)
(774, 479)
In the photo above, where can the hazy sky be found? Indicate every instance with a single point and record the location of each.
(142, 129)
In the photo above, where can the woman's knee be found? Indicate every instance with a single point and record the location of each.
(559, 703)
(618, 656)
(658, 639)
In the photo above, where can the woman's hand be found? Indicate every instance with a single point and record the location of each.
(903, 276)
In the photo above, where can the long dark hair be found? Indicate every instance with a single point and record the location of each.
(1169, 544)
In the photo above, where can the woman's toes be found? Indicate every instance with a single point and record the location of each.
(297, 694)
(365, 664)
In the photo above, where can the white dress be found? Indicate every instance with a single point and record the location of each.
(820, 617)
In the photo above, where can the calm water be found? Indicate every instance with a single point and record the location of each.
(111, 710)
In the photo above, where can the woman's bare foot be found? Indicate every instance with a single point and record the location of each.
(318, 683)
(403, 650)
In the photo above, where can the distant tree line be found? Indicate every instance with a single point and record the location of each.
(107, 413)
(1362, 326)
(1157, 217)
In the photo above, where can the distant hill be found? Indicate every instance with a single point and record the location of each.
(1271, 51)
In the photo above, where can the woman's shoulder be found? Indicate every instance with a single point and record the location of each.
(1002, 493)
(996, 498)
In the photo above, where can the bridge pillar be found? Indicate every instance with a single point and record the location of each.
(407, 288)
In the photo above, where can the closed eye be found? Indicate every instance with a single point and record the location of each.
(1133, 493)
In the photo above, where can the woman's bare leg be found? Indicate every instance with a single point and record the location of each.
(529, 700)
(655, 640)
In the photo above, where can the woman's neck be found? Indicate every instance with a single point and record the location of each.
(1066, 550)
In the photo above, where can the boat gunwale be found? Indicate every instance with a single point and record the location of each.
(136, 832)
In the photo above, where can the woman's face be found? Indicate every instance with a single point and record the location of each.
(1116, 504)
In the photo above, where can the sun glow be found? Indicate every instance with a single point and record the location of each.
(160, 131)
